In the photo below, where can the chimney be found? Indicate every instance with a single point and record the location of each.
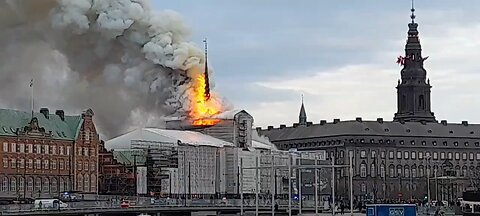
(283, 126)
(444, 122)
(309, 124)
(335, 121)
(258, 129)
(60, 114)
(269, 127)
(465, 123)
(380, 120)
(322, 122)
(358, 119)
(44, 111)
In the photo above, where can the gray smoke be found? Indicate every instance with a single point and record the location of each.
(118, 57)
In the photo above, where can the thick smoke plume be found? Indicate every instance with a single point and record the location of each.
(118, 57)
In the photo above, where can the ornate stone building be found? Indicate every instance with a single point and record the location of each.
(45, 154)
(399, 158)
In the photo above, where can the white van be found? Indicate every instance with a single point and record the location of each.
(49, 203)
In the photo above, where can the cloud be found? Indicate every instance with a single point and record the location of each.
(340, 55)
(368, 90)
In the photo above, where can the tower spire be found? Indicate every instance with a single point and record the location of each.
(413, 91)
(413, 12)
(207, 81)
(302, 117)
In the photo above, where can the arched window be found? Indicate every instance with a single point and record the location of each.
(399, 170)
(93, 182)
(414, 171)
(86, 185)
(80, 182)
(392, 170)
(363, 170)
(457, 170)
(30, 184)
(372, 170)
(38, 184)
(464, 171)
(13, 184)
(54, 185)
(382, 170)
(407, 171)
(421, 102)
(62, 186)
(46, 185)
(21, 183)
(421, 171)
(5, 184)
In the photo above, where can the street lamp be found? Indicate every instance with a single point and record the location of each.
(427, 159)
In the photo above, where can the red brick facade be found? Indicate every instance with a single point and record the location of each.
(37, 163)
(86, 156)
(114, 177)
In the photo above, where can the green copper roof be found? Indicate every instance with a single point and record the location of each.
(127, 157)
(68, 129)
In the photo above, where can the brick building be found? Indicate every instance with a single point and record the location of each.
(113, 176)
(45, 154)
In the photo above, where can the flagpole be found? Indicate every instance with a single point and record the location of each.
(31, 86)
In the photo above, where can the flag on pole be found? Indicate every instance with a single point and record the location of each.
(400, 60)
(31, 82)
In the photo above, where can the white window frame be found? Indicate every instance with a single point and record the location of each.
(5, 147)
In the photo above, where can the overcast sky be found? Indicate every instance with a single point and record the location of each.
(340, 54)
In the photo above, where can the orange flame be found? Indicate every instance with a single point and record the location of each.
(201, 108)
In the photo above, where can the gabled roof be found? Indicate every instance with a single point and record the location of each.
(66, 129)
(375, 128)
(164, 136)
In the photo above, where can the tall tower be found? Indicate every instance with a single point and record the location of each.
(413, 91)
(302, 117)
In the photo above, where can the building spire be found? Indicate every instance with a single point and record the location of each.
(207, 81)
(413, 91)
(302, 117)
(413, 12)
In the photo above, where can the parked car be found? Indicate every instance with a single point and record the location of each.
(49, 203)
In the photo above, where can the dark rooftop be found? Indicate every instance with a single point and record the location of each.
(375, 128)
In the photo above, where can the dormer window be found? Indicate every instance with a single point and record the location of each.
(87, 134)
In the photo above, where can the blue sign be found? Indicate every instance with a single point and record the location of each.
(391, 210)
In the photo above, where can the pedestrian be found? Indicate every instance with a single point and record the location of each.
(342, 208)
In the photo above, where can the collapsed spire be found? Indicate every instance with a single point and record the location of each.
(207, 81)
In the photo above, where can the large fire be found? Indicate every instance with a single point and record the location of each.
(203, 108)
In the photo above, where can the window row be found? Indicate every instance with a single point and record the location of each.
(36, 148)
(84, 151)
(414, 155)
(39, 164)
(444, 143)
(415, 171)
(37, 184)
(86, 182)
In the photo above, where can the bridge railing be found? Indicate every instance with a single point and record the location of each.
(144, 203)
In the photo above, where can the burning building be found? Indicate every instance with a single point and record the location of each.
(204, 160)
(177, 162)
(233, 126)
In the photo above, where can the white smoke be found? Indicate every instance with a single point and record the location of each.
(118, 57)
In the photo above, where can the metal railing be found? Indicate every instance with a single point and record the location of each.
(148, 203)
